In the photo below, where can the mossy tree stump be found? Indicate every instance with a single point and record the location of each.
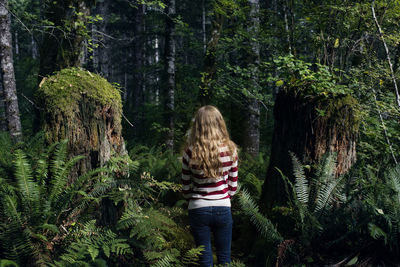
(85, 109)
(309, 126)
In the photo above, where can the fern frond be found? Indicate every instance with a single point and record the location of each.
(376, 232)
(327, 195)
(191, 256)
(394, 179)
(26, 184)
(90, 241)
(86, 177)
(10, 206)
(166, 261)
(301, 183)
(8, 263)
(60, 176)
(58, 158)
(130, 218)
(263, 225)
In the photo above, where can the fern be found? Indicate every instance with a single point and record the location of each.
(34, 209)
(191, 256)
(166, 261)
(91, 243)
(301, 184)
(263, 225)
(310, 201)
(162, 240)
(26, 184)
(8, 263)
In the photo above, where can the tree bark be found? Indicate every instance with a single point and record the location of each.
(169, 93)
(101, 53)
(86, 110)
(7, 73)
(252, 139)
(203, 24)
(285, 15)
(299, 128)
(136, 96)
(3, 118)
(205, 94)
(62, 44)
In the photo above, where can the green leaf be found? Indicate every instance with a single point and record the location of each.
(106, 250)
(352, 261)
(279, 83)
(94, 252)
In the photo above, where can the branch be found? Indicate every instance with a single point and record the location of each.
(384, 127)
(15, 16)
(127, 119)
(30, 101)
(387, 54)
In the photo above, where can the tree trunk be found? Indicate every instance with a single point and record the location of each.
(136, 96)
(203, 24)
(34, 48)
(252, 138)
(170, 73)
(61, 48)
(299, 128)
(101, 57)
(3, 118)
(85, 109)
(210, 59)
(7, 73)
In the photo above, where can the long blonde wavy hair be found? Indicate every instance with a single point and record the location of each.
(207, 134)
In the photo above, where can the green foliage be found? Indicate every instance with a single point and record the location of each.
(308, 79)
(6, 147)
(384, 209)
(91, 243)
(264, 226)
(39, 205)
(162, 240)
(164, 166)
(8, 263)
(309, 201)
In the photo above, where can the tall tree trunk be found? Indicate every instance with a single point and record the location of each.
(252, 139)
(34, 48)
(136, 97)
(169, 92)
(300, 129)
(7, 73)
(210, 58)
(3, 118)
(62, 48)
(287, 29)
(101, 57)
(203, 24)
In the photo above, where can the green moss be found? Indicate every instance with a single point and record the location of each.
(344, 110)
(63, 91)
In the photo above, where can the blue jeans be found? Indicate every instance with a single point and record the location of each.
(218, 220)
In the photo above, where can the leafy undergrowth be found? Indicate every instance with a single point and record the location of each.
(48, 220)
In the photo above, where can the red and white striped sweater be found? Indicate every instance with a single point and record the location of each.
(202, 191)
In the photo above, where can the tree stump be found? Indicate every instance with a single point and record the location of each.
(85, 109)
(309, 126)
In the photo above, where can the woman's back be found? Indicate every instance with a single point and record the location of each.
(199, 187)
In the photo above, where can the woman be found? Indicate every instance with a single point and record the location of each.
(209, 178)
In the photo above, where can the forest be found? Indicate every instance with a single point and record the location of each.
(97, 96)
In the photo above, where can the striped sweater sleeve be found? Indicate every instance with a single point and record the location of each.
(186, 175)
(233, 177)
